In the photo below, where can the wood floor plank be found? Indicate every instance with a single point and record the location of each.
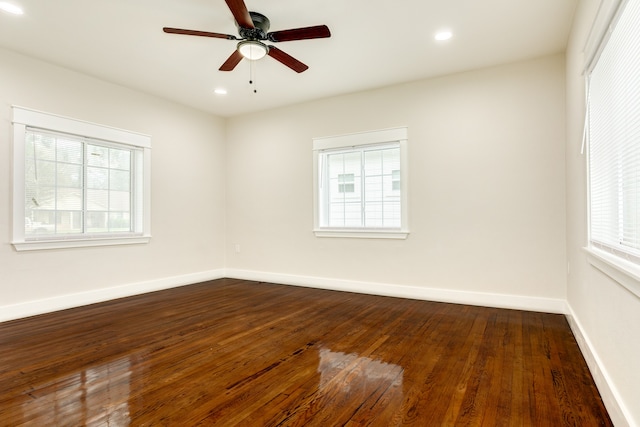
(233, 352)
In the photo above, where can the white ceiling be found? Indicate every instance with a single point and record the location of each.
(374, 43)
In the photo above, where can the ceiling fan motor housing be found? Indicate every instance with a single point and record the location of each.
(261, 27)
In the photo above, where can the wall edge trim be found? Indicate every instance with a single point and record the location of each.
(63, 302)
(620, 415)
(518, 302)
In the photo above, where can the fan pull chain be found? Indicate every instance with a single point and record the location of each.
(251, 82)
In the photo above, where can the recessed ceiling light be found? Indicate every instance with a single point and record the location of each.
(11, 8)
(443, 35)
(220, 91)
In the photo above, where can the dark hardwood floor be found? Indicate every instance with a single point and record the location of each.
(232, 352)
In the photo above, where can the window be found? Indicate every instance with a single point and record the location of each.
(612, 130)
(78, 183)
(614, 139)
(360, 184)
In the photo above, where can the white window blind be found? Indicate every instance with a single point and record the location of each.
(77, 183)
(358, 190)
(614, 138)
(360, 184)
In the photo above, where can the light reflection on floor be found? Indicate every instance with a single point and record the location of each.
(96, 396)
(348, 374)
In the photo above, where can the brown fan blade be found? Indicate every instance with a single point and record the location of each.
(232, 61)
(240, 13)
(198, 33)
(317, 32)
(287, 59)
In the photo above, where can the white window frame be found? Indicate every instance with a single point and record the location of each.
(24, 118)
(619, 266)
(379, 137)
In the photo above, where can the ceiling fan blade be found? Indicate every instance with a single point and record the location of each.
(198, 33)
(287, 59)
(316, 32)
(240, 13)
(232, 61)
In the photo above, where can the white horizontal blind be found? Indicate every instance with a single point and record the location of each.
(362, 187)
(614, 139)
(77, 186)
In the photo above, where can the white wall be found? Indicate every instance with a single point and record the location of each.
(486, 201)
(606, 317)
(188, 174)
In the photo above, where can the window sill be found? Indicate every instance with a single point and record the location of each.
(36, 245)
(622, 271)
(361, 234)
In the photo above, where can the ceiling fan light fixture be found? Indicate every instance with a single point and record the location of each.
(253, 49)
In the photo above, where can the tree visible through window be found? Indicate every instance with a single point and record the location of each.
(73, 187)
(70, 190)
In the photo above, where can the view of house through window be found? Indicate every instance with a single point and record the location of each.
(358, 183)
(72, 186)
(78, 183)
(360, 189)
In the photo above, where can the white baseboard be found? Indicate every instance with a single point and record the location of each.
(547, 305)
(62, 302)
(618, 412)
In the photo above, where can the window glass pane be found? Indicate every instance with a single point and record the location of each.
(119, 222)
(69, 199)
(344, 170)
(119, 200)
(44, 173)
(97, 222)
(69, 175)
(120, 159)
(97, 200)
(336, 215)
(373, 189)
(395, 180)
(352, 163)
(119, 180)
(97, 155)
(391, 161)
(373, 163)
(69, 151)
(352, 215)
(97, 178)
(68, 222)
(45, 147)
(373, 214)
(392, 214)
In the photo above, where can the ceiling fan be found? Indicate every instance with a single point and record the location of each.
(253, 29)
